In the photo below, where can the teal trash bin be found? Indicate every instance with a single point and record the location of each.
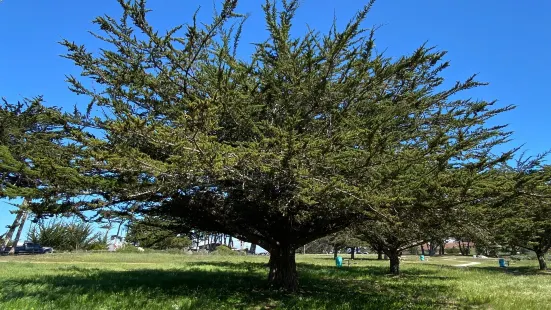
(502, 263)
(422, 258)
(339, 261)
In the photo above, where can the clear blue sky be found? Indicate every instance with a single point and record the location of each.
(508, 42)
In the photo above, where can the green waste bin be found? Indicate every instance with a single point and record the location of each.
(339, 261)
(422, 258)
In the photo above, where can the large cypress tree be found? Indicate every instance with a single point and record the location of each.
(279, 148)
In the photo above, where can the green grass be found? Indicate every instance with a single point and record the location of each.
(167, 281)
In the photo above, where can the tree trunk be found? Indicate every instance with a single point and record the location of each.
(433, 248)
(252, 250)
(422, 249)
(335, 252)
(107, 230)
(460, 248)
(394, 262)
(352, 252)
(19, 231)
(10, 232)
(541, 260)
(379, 255)
(283, 270)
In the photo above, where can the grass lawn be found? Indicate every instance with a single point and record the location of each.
(170, 281)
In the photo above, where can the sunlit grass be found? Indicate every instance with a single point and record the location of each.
(169, 281)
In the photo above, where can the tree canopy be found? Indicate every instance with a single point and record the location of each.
(524, 220)
(36, 159)
(301, 139)
(157, 234)
(33, 157)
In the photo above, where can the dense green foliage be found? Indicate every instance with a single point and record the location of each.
(155, 234)
(31, 150)
(35, 159)
(525, 220)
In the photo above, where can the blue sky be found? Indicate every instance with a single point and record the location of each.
(507, 42)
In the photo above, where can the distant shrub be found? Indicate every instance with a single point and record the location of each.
(488, 250)
(97, 246)
(223, 250)
(64, 236)
(129, 249)
(453, 251)
(523, 257)
(176, 251)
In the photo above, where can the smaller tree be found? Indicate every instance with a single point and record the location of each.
(391, 238)
(335, 242)
(422, 203)
(525, 219)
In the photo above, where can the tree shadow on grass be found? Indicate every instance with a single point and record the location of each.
(242, 285)
(511, 270)
(332, 272)
(517, 270)
(347, 257)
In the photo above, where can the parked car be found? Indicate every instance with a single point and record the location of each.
(30, 248)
